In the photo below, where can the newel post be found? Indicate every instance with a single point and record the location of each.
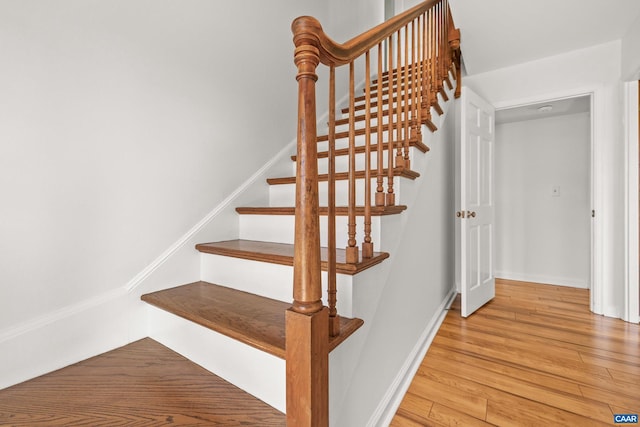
(307, 332)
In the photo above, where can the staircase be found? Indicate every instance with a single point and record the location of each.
(237, 320)
(345, 233)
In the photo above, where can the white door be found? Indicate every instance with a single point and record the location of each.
(475, 205)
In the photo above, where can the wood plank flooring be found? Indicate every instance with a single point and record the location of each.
(142, 384)
(534, 356)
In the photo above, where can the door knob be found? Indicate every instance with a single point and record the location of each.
(471, 214)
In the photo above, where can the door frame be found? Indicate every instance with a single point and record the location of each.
(596, 191)
(632, 245)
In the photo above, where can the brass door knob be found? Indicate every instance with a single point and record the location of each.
(471, 214)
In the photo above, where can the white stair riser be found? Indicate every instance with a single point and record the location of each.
(344, 142)
(360, 140)
(342, 162)
(280, 229)
(257, 372)
(360, 124)
(284, 194)
(268, 280)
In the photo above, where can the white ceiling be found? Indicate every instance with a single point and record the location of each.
(544, 110)
(500, 33)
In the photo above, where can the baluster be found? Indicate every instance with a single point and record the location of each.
(352, 248)
(416, 73)
(380, 138)
(367, 244)
(447, 50)
(425, 105)
(442, 57)
(398, 120)
(334, 320)
(405, 116)
(438, 52)
(454, 44)
(434, 59)
(391, 197)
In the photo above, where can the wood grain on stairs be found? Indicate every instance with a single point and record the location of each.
(357, 132)
(281, 253)
(252, 319)
(340, 210)
(374, 104)
(341, 176)
(361, 149)
(141, 384)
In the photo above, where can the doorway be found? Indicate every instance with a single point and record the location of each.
(544, 196)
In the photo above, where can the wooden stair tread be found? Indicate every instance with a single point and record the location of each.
(357, 132)
(374, 103)
(340, 210)
(282, 253)
(143, 383)
(341, 176)
(361, 149)
(374, 115)
(252, 319)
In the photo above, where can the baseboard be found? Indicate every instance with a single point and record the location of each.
(69, 335)
(544, 279)
(389, 404)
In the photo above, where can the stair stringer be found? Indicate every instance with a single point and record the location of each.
(405, 296)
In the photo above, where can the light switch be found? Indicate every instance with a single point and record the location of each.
(555, 191)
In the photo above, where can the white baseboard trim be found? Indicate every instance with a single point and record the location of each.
(541, 278)
(70, 335)
(389, 404)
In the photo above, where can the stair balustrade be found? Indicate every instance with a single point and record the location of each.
(419, 49)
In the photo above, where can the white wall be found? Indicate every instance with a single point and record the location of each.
(405, 295)
(122, 125)
(631, 52)
(542, 237)
(593, 70)
(349, 19)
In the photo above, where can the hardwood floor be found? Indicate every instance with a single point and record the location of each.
(142, 384)
(534, 356)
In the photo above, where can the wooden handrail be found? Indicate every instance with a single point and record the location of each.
(422, 51)
(332, 53)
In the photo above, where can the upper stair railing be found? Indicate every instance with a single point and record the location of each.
(419, 49)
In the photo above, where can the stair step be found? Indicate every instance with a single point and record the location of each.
(399, 172)
(361, 149)
(254, 320)
(359, 131)
(340, 210)
(282, 253)
(374, 115)
(394, 72)
(374, 103)
(143, 383)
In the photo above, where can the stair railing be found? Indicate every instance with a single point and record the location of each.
(422, 50)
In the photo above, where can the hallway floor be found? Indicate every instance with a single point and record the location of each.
(533, 356)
